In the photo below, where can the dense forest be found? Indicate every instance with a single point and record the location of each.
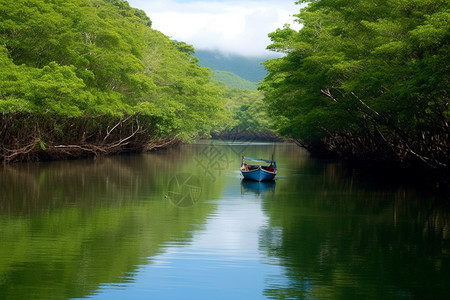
(87, 77)
(361, 80)
(250, 119)
(365, 80)
(90, 77)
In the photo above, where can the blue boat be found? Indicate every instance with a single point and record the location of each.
(258, 172)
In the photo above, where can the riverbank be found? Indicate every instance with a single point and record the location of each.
(28, 137)
(247, 135)
(34, 152)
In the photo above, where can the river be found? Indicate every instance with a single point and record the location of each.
(181, 224)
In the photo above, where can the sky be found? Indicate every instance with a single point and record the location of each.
(230, 26)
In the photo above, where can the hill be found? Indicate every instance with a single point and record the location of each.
(249, 68)
(234, 81)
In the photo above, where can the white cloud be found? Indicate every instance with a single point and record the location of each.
(238, 27)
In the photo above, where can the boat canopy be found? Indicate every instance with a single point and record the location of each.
(261, 160)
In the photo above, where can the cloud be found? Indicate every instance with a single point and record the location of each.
(235, 27)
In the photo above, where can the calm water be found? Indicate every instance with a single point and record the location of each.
(181, 224)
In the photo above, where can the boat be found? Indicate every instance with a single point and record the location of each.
(258, 172)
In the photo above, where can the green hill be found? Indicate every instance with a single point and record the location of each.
(234, 81)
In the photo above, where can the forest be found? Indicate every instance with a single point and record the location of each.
(91, 77)
(365, 81)
(361, 80)
(84, 77)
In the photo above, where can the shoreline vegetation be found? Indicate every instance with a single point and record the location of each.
(81, 78)
(87, 78)
(366, 82)
(75, 137)
(362, 82)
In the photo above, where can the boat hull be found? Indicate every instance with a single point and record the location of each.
(258, 175)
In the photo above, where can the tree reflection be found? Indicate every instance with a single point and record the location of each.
(66, 227)
(338, 237)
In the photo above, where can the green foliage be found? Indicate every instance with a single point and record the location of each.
(97, 58)
(248, 111)
(366, 79)
(52, 90)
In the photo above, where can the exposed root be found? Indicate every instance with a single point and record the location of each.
(38, 139)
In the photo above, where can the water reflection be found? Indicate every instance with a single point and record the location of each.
(340, 236)
(179, 224)
(257, 187)
(66, 227)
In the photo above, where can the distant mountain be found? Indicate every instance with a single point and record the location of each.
(234, 81)
(249, 68)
